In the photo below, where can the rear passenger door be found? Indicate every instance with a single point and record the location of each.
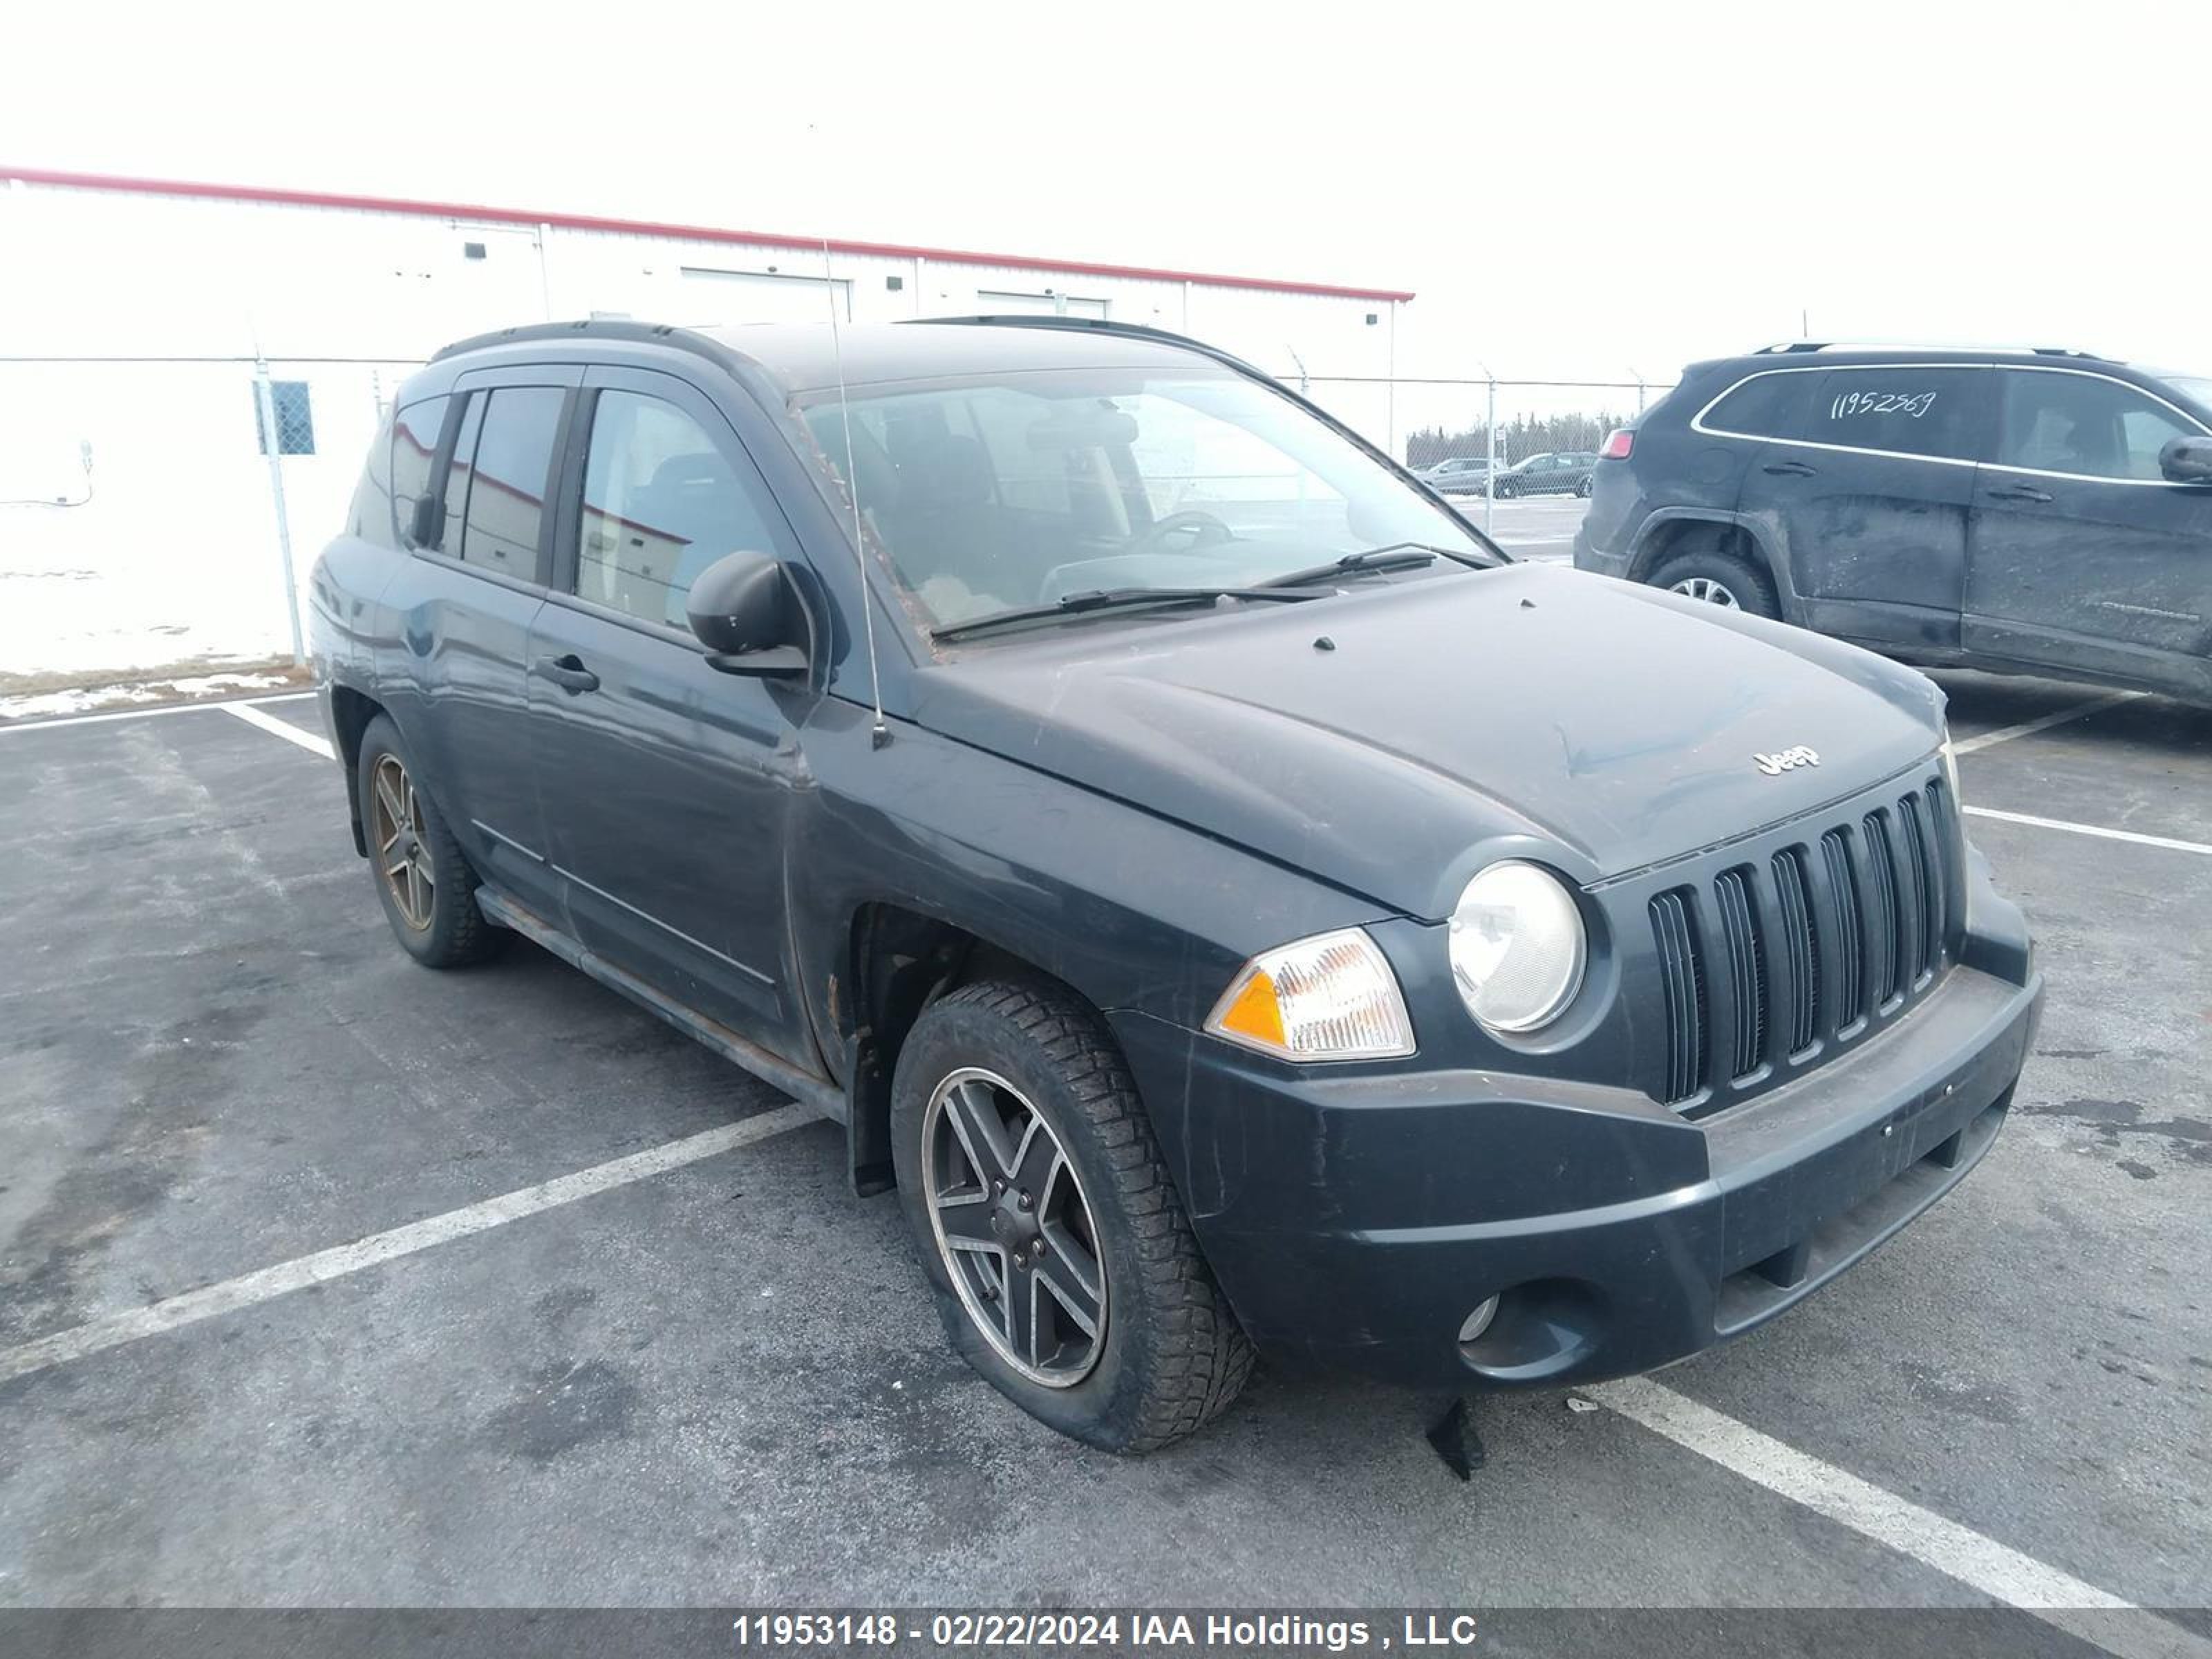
(1863, 487)
(2084, 558)
(667, 786)
(457, 616)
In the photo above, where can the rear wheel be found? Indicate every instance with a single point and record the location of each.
(1586, 487)
(422, 879)
(1713, 577)
(1065, 1269)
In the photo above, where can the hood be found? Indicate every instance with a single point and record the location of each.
(1617, 725)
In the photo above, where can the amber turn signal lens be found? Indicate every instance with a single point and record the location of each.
(1331, 997)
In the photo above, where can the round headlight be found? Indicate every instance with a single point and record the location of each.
(1517, 946)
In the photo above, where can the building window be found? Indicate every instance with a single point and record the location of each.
(296, 419)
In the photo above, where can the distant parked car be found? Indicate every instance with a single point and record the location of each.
(1457, 475)
(2033, 511)
(1566, 473)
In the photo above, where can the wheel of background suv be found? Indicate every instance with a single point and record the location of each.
(1716, 578)
(1064, 1267)
(427, 887)
(1586, 487)
(1506, 489)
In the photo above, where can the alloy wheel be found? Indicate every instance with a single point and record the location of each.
(402, 857)
(1013, 1228)
(1709, 591)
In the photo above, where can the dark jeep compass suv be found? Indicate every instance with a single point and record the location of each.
(1057, 752)
(2041, 512)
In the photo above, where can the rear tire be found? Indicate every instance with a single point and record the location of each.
(1717, 578)
(1030, 1073)
(1586, 488)
(422, 877)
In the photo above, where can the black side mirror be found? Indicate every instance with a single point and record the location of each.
(2186, 460)
(746, 612)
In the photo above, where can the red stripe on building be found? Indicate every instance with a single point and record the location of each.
(310, 198)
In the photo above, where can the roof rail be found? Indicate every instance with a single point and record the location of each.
(1102, 326)
(589, 328)
(1785, 347)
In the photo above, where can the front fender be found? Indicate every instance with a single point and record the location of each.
(1130, 909)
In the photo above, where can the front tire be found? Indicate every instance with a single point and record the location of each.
(1065, 1269)
(422, 877)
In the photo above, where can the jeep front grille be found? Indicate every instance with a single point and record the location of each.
(1770, 958)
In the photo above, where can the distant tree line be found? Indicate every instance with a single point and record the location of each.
(1525, 434)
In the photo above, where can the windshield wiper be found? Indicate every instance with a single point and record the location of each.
(1113, 599)
(1397, 555)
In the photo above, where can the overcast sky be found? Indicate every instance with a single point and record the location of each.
(1575, 193)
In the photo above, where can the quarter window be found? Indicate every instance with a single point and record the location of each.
(415, 433)
(453, 518)
(661, 503)
(2056, 422)
(1770, 405)
(495, 489)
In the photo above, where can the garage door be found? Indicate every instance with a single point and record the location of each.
(754, 296)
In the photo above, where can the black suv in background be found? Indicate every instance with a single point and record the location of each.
(1566, 473)
(2032, 511)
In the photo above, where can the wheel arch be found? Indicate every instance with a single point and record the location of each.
(351, 711)
(1675, 529)
(898, 960)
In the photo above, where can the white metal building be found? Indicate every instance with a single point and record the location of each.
(133, 312)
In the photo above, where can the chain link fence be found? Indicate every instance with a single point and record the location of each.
(1493, 440)
(148, 526)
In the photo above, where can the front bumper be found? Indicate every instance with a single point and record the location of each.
(1356, 1221)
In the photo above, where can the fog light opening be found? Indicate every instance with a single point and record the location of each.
(1479, 1320)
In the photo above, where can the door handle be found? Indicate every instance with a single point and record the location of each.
(2019, 493)
(1789, 469)
(567, 673)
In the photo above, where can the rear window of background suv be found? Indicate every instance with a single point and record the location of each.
(1899, 408)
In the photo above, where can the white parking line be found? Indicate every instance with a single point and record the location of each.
(284, 729)
(323, 1266)
(2099, 830)
(2043, 722)
(1997, 1570)
(7, 726)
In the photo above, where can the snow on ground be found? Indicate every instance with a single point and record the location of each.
(85, 699)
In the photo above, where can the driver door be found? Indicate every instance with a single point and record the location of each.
(667, 787)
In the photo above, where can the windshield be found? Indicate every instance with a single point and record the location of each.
(2198, 388)
(992, 494)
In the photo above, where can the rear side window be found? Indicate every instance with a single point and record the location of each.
(496, 488)
(415, 432)
(1902, 410)
(2078, 424)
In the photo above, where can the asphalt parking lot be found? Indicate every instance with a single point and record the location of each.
(710, 1375)
(1539, 527)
